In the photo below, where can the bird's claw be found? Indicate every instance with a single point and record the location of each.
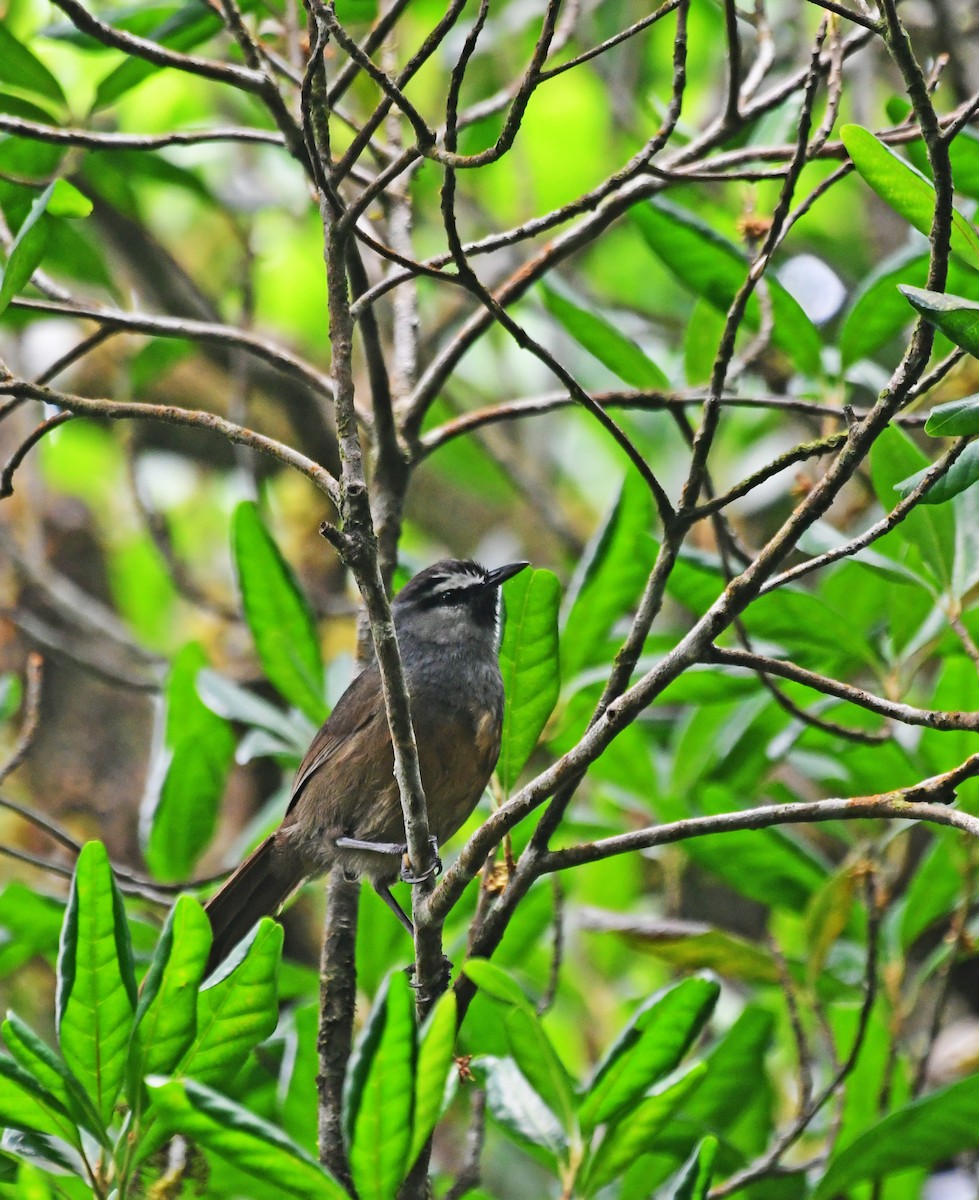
(408, 873)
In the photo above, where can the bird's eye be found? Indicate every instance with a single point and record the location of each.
(451, 595)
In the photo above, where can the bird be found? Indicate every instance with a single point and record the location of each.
(345, 807)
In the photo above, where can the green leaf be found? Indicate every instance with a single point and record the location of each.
(48, 1070)
(278, 615)
(712, 267)
(827, 917)
(530, 667)
(921, 1133)
(651, 1045)
(519, 1111)
(737, 1056)
(610, 576)
(962, 474)
(201, 748)
(27, 249)
(694, 1180)
(238, 1010)
(905, 189)
(25, 1104)
(436, 1046)
(934, 888)
(67, 201)
(250, 1144)
(624, 1141)
(876, 313)
(96, 984)
(602, 339)
(958, 418)
(527, 1041)
(166, 1015)
(955, 316)
(24, 71)
(382, 1119)
(236, 703)
(30, 924)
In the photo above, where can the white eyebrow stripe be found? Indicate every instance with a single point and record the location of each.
(458, 579)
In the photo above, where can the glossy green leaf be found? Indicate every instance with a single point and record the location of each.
(905, 189)
(712, 267)
(96, 984)
(518, 1109)
(166, 1015)
(932, 891)
(25, 1104)
(926, 536)
(225, 1129)
(956, 316)
(381, 1123)
(921, 1133)
(735, 1057)
(67, 201)
(24, 71)
(27, 249)
(610, 576)
(604, 341)
(278, 614)
(200, 746)
(236, 703)
(651, 1045)
(962, 474)
(625, 1140)
(694, 1180)
(876, 312)
(527, 1040)
(958, 418)
(32, 1182)
(436, 1048)
(530, 667)
(48, 1070)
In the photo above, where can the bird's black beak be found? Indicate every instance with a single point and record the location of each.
(502, 574)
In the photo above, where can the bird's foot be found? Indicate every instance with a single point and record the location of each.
(408, 872)
(440, 984)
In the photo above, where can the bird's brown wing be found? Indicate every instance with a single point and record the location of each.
(357, 720)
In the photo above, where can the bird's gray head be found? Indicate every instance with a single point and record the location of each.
(453, 600)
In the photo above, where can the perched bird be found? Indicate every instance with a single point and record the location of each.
(345, 808)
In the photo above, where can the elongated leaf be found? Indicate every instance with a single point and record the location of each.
(24, 71)
(956, 316)
(233, 1133)
(238, 1010)
(28, 248)
(530, 667)
(924, 1132)
(694, 1180)
(609, 577)
(958, 418)
(166, 1015)
(527, 1041)
(436, 1045)
(47, 1069)
(30, 924)
(712, 267)
(649, 1047)
(277, 614)
(25, 1104)
(381, 1123)
(201, 747)
(96, 984)
(236, 703)
(602, 339)
(737, 1056)
(933, 890)
(519, 1111)
(905, 189)
(625, 1140)
(962, 474)
(875, 313)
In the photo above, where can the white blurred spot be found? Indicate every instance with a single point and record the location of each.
(816, 286)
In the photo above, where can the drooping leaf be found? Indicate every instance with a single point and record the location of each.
(924, 1132)
(27, 249)
(381, 1122)
(96, 984)
(200, 748)
(956, 316)
(278, 614)
(962, 474)
(527, 1040)
(24, 71)
(530, 667)
(712, 267)
(694, 1180)
(610, 576)
(602, 339)
(958, 418)
(905, 189)
(650, 1046)
(224, 1128)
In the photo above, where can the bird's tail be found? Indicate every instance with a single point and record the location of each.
(256, 889)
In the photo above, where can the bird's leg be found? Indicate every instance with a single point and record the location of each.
(349, 843)
(408, 874)
(384, 891)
